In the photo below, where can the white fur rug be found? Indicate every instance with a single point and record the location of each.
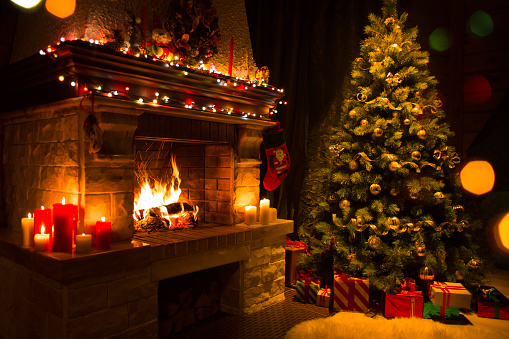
(357, 325)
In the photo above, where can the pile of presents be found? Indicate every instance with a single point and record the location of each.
(441, 300)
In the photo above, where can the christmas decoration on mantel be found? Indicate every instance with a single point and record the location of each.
(393, 208)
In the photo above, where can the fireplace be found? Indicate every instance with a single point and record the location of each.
(212, 124)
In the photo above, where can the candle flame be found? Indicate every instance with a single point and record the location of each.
(42, 229)
(83, 234)
(42, 207)
(29, 216)
(63, 201)
(103, 219)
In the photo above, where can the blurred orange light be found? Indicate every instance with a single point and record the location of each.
(478, 177)
(61, 8)
(503, 231)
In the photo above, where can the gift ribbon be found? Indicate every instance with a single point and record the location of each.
(408, 285)
(491, 294)
(447, 291)
(351, 293)
(307, 278)
(322, 294)
(297, 244)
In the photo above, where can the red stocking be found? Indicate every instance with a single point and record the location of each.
(278, 159)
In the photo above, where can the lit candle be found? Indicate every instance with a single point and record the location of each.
(63, 223)
(272, 214)
(103, 234)
(250, 215)
(41, 240)
(264, 211)
(83, 243)
(27, 225)
(230, 59)
(43, 217)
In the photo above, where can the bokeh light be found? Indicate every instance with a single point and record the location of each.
(502, 235)
(478, 177)
(61, 8)
(26, 3)
(476, 89)
(440, 39)
(481, 23)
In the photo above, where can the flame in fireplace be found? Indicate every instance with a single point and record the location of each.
(156, 195)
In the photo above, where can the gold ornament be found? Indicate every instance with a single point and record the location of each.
(475, 263)
(375, 189)
(426, 273)
(422, 134)
(374, 242)
(414, 195)
(352, 113)
(344, 204)
(416, 110)
(416, 155)
(364, 122)
(394, 192)
(359, 221)
(394, 166)
(354, 165)
(389, 21)
(333, 198)
(437, 154)
(406, 121)
(439, 196)
(393, 223)
(378, 132)
(420, 250)
(460, 275)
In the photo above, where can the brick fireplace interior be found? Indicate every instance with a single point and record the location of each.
(46, 156)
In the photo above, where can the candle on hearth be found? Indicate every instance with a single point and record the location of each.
(272, 214)
(264, 211)
(83, 243)
(43, 217)
(63, 226)
(27, 225)
(41, 241)
(103, 234)
(250, 215)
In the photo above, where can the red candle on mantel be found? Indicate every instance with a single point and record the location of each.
(42, 217)
(63, 226)
(230, 60)
(103, 234)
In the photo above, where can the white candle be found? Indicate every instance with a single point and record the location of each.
(83, 243)
(250, 215)
(272, 215)
(264, 211)
(27, 225)
(41, 241)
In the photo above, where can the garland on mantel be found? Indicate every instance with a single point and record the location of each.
(87, 86)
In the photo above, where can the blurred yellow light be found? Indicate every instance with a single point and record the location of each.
(478, 177)
(503, 231)
(61, 8)
(26, 3)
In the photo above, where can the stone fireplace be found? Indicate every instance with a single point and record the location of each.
(214, 128)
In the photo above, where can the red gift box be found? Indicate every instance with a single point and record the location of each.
(293, 250)
(408, 302)
(493, 304)
(350, 294)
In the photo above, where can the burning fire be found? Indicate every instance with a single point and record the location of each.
(161, 199)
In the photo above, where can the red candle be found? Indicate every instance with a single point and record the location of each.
(230, 60)
(103, 234)
(63, 226)
(42, 217)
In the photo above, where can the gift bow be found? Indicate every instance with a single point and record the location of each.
(297, 244)
(325, 291)
(408, 285)
(446, 289)
(307, 277)
(492, 294)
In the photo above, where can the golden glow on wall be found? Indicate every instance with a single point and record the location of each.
(61, 8)
(478, 177)
(26, 3)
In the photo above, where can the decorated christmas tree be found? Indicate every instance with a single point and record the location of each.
(391, 205)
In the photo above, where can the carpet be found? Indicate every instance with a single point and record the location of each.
(357, 325)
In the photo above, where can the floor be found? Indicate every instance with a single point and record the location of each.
(274, 321)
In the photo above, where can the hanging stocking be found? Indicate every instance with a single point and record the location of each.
(278, 159)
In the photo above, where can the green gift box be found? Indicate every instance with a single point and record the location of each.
(431, 311)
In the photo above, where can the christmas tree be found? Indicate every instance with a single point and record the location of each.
(392, 202)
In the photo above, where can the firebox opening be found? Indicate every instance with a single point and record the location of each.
(181, 184)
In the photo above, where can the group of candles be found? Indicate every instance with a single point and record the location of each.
(267, 214)
(55, 230)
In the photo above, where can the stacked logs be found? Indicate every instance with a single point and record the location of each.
(185, 300)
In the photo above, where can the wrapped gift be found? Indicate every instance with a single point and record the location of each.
(293, 250)
(492, 304)
(323, 297)
(307, 287)
(430, 311)
(408, 302)
(450, 295)
(350, 294)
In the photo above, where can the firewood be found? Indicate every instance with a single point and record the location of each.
(178, 321)
(165, 326)
(214, 291)
(203, 313)
(185, 298)
(202, 300)
(189, 317)
(167, 308)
